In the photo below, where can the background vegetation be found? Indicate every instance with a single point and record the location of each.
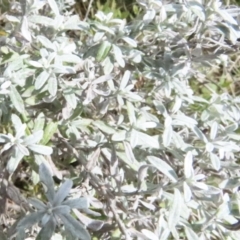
(119, 119)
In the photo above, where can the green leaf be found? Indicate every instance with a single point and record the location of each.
(39, 122)
(49, 131)
(103, 51)
(16, 100)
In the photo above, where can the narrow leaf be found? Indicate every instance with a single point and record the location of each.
(49, 131)
(78, 203)
(163, 167)
(175, 210)
(16, 100)
(46, 179)
(40, 149)
(62, 192)
(47, 231)
(75, 227)
(41, 79)
(30, 220)
(125, 79)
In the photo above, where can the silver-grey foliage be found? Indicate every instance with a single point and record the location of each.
(117, 101)
(57, 208)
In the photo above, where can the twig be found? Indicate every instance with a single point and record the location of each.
(119, 221)
(88, 10)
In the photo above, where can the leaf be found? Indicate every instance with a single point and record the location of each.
(39, 122)
(79, 203)
(119, 136)
(118, 56)
(49, 131)
(30, 220)
(62, 209)
(144, 140)
(187, 192)
(46, 179)
(47, 231)
(149, 15)
(40, 149)
(62, 192)
(199, 134)
(46, 42)
(184, 120)
(125, 79)
(16, 100)
(103, 51)
(16, 122)
(130, 41)
(214, 130)
(131, 113)
(53, 6)
(167, 136)
(71, 99)
(37, 203)
(188, 168)
(216, 163)
(25, 29)
(163, 167)
(129, 152)
(75, 227)
(175, 210)
(14, 161)
(191, 235)
(41, 79)
(46, 21)
(22, 149)
(52, 86)
(104, 127)
(149, 235)
(33, 138)
(108, 65)
(20, 234)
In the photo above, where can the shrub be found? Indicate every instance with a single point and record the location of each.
(115, 107)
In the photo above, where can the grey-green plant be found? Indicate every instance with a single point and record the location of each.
(57, 208)
(118, 107)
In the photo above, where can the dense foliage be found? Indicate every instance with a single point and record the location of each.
(123, 117)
